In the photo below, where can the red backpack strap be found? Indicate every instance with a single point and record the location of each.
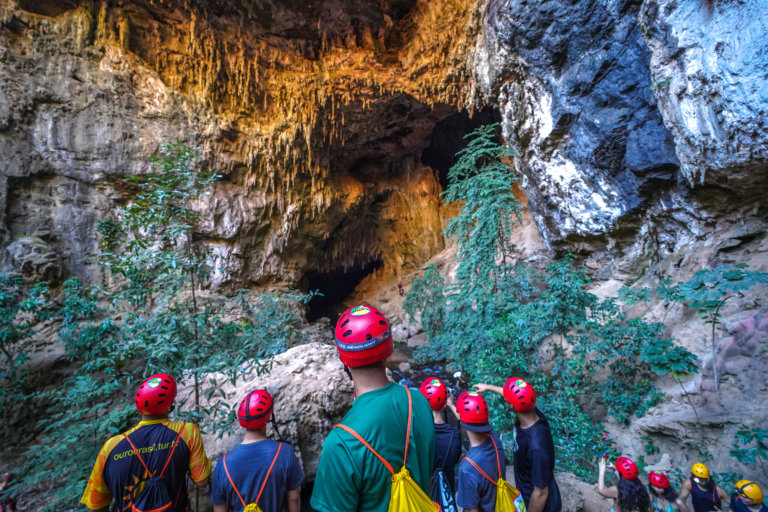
(480, 470)
(136, 451)
(359, 438)
(279, 445)
(170, 456)
(224, 462)
(498, 461)
(408, 430)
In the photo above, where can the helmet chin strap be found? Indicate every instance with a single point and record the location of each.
(349, 374)
(274, 425)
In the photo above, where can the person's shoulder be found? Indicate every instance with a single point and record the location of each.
(336, 438)
(188, 431)
(110, 444)
(286, 449)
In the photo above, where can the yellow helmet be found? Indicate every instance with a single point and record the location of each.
(750, 490)
(700, 470)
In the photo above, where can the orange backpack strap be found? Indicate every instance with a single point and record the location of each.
(224, 461)
(498, 461)
(279, 445)
(136, 451)
(172, 450)
(408, 431)
(359, 438)
(479, 469)
(170, 456)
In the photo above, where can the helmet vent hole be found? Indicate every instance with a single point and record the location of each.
(382, 322)
(368, 336)
(346, 333)
(345, 322)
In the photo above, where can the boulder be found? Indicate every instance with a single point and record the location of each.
(311, 392)
(578, 496)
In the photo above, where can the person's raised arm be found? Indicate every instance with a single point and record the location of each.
(482, 388)
(608, 492)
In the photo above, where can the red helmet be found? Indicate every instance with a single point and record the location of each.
(658, 479)
(155, 395)
(472, 408)
(520, 394)
(255, 409)
(626, 468)
(363, 336)
(435, 392)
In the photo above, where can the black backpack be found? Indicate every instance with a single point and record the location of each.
(155, 496)
(440, 489)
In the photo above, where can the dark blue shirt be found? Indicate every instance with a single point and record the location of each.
(535, 462)
(475, 491)
(705, 500)
(737, 505)
(248, 465)
(447, 450)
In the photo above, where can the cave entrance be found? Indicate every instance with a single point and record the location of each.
(336, 286)
(448, 138)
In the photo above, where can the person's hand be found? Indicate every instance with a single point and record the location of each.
(451, 401)
(482, 388)
(603, 463)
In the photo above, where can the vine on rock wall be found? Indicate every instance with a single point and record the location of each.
(150, 315)
(504, 318)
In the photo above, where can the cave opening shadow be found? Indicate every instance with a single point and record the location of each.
(336, 286)
(447, 139)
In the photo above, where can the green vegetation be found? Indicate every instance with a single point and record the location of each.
(503, 318)
(150, 315)
(750, 446)
(706, 292)
(19, 311)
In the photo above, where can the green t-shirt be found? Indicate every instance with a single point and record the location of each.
(349, 477)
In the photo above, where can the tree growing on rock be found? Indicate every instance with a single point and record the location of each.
(150, 315)
(503, 317)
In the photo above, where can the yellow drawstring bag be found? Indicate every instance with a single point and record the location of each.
(405, 494)
(507, 497)
(252, 507)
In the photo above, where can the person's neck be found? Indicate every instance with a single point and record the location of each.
(437, 416)
(254, 436)
(369, 378)
(527, 418)
(155, 417)
(477, 438)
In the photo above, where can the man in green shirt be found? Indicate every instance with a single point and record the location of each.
(350, 478)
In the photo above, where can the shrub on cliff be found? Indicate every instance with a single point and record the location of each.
(502, 318)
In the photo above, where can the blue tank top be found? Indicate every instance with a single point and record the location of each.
(704, 501)
(656, 507)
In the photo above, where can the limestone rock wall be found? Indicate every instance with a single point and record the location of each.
(316, 117)
(709, 71)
